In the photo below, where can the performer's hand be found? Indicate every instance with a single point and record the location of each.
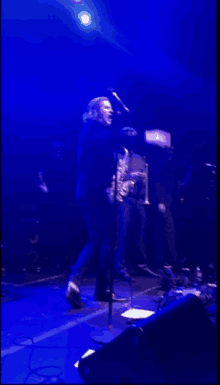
(43, 187)
(161, 207)
(42, 184)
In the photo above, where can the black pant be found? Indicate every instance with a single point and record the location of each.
(131, 210)
(101, 227)
(164, 237)
(197, 234)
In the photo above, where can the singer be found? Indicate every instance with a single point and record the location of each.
(95, 167)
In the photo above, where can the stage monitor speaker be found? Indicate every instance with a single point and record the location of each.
(176, 345)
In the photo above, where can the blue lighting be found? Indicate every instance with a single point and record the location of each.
(85, 18)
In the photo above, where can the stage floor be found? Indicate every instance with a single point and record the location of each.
(61, 335)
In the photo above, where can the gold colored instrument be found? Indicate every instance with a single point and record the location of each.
(126, 180)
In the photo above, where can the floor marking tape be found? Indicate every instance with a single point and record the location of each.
(38, 280)
(55, 331)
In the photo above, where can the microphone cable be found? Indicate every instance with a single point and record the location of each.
(47, 379)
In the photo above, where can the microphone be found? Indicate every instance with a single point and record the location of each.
(118, 99)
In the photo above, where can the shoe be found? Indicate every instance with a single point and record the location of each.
(73, 296)
(104, 296)
(146, 272)
(123, 276)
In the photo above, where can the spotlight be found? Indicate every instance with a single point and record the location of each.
(76, 1)
(85, 18)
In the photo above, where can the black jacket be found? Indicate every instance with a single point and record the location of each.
(95, 162)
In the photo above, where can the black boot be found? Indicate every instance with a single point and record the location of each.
(104, 296)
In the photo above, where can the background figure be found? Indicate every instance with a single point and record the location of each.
(55, 182)
(165, 187)
(132, 208)
(95, 167)
(195, 212)
(183, 172)
(161, 192)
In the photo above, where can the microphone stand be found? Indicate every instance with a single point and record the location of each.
(211, 214)
(133, 313)
(106, 335)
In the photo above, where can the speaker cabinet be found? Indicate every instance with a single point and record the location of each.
(176, 345)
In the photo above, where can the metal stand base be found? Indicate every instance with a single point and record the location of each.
(103, 335)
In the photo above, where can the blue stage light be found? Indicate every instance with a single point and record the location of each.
(85, 18)
(76, 1)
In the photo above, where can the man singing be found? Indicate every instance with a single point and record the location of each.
(95, 167)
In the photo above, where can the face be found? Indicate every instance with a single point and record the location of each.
(106, 112)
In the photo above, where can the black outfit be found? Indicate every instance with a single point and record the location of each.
(95, 167)
(133, 210)
(163, 175)
(196, 216)
(161, 189)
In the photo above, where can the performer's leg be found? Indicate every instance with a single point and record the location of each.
(169, 230)
(101, 227)
(140, 226)
(124, 213)
(94, 227)
(106, 260)
(106, 254)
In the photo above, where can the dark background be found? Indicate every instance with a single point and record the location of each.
(161, 59)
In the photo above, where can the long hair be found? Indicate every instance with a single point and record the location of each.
(93, 109)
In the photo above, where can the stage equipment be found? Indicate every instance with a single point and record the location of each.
(83, 14)
(126, 181)
(158, 137)
(85, 18)
(123, 186)
(112, 91)
(107, 334)
(177, 345)
(146, 202)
